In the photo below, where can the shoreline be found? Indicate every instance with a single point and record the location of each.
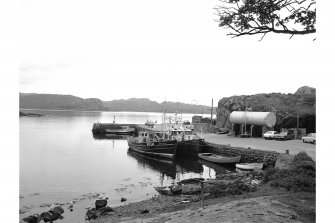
(239, 197)
(267, 204)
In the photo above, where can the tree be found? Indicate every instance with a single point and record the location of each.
(252, 17)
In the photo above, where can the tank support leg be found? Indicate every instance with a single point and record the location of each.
(251, 130)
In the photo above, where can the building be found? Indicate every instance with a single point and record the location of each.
(196, 119)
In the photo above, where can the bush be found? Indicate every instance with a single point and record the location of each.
(301, 176)
(303, 161)
(302, 156)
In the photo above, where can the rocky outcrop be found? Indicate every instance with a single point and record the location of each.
(283, 105)
(284, 161)
(305, 90)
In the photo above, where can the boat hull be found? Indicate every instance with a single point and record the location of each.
(219, 159)
(120, 132)
(249, 166)
(161, 149)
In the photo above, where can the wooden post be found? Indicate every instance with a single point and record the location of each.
(297, 137)
(202, 195)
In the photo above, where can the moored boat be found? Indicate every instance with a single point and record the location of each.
(219, 159)
(150, 147)
(121, 130)
(249, 166)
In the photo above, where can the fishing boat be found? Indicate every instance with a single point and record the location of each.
(149, 123)
(152, 145)
(218, 158)
(249, 166)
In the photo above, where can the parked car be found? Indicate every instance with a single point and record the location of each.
(270, 134)
(311, 137)
(284, 136)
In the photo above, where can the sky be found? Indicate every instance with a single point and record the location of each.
(161, 50)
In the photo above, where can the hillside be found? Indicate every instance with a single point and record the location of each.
(285, 106)
(69, 102)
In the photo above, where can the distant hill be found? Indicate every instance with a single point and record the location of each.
(285, 107)
(69, 102)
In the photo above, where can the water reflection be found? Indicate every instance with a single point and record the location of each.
(165, 167)
(108, 136)
(187, 164)
(180, 167)
(219, 169)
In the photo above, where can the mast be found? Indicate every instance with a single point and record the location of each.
(164, 118)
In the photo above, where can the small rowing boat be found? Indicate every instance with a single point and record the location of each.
(250, 166)
(218, 158)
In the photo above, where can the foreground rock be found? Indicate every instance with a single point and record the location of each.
(49, 216)
(101, 209)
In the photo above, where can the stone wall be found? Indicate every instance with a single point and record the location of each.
(247, 155)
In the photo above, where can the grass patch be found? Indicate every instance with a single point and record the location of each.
(299, 177)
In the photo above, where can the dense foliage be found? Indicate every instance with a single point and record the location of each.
(300, 177)
(307, 121)
(250, 17)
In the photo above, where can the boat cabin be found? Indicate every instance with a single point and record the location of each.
(181, 134)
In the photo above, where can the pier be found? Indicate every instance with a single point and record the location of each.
(184, 148)
(102, 127)
(195, 146)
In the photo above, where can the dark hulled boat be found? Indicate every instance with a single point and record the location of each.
(164, 149)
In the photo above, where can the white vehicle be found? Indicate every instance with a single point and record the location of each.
(311, 137)
(270, 134)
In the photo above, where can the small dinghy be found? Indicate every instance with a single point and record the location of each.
(218, 158)
(250, 166)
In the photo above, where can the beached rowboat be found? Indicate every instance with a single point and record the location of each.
(249, 166)
(218, 158)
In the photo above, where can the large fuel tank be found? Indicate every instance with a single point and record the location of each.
(253, 118)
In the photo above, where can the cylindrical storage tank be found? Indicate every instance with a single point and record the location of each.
(253, 118)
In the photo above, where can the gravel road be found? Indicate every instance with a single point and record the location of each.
(294, 146)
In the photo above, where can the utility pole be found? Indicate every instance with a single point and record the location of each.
(212, 113)
(297, 124)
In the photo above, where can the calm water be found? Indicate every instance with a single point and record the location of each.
(61, 161)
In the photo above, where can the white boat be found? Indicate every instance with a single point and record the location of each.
(120, 130)
(249, 166)
(219, 159)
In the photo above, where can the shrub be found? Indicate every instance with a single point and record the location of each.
(302, 156)
(300, 177)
